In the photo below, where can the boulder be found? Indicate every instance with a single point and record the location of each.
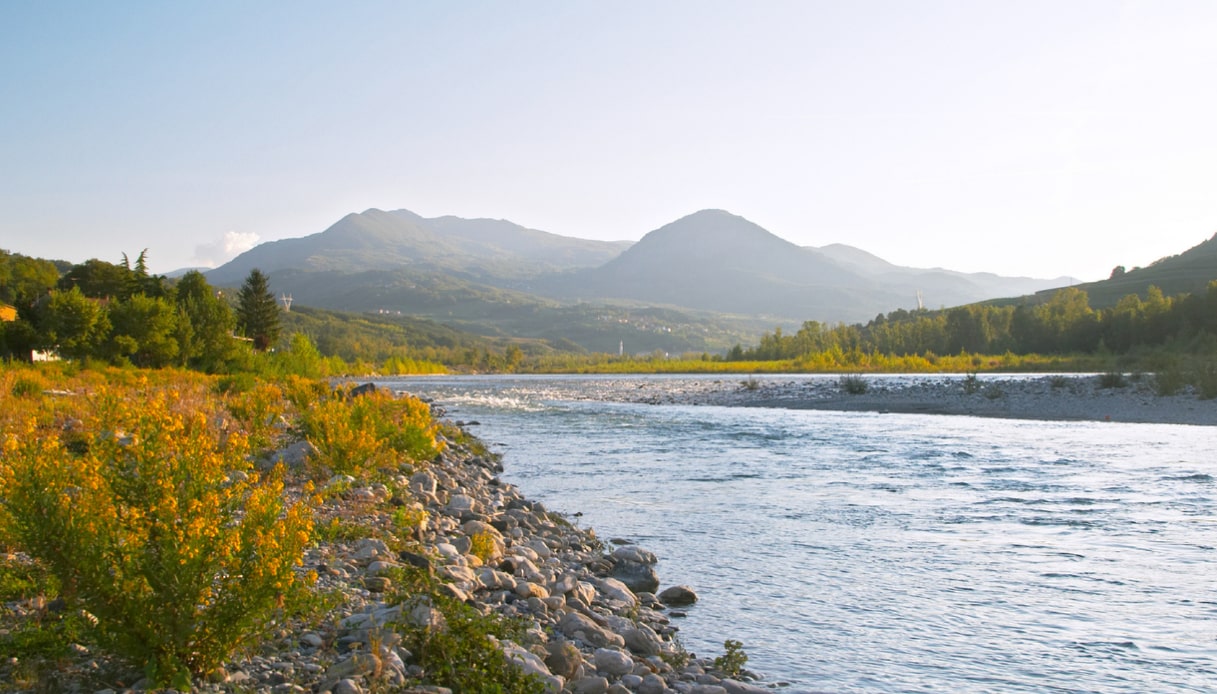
(677, 596)
(639, 577)
(613, 662)
(563, 659)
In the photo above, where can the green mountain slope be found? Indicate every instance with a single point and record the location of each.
(1188, 272)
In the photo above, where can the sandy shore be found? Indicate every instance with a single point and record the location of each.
(1016, 397)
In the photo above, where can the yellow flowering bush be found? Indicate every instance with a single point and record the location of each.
(152, 519)
(356, 435)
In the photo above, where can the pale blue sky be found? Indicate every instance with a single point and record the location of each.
(1025, 138)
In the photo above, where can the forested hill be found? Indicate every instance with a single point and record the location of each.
(1187, 273)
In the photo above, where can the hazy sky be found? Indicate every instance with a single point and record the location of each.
(1026, 138)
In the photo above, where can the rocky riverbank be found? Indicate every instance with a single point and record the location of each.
(1016, 397)
(595, 618)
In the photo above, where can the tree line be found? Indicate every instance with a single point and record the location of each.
(120, 313)
(1064, 324)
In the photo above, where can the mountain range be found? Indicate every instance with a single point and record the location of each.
(691, 284)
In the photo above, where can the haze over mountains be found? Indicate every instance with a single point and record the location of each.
(503, 278)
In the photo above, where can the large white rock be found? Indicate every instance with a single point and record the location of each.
(613, 662)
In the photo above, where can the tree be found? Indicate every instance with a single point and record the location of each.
(144, 331)
(257, 311)
(205, 324)
(72, 323)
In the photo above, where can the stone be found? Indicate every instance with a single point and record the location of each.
(635, 554)
(532, 665)
(295, 455)
(346, 686)
(652, 684)
(417, 560)
(613, 662)
(527, 590)
(677, 596)
(590, 685)
(363, 389)
(312, 639)
(563, 659)
(380, 568)
(423, 483)
(639, 577)
(578, 626)
(631, 681)
(460, 503)
(357, 665)
(616, 590)
(377, 584)
(642, 640)
(371, 548)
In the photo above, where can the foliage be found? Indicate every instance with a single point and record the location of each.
(854, 384)
(1112, 379)
(72, 323)
(156, 525)
(731, 662)
(456, 645)
(257, 311)
(144, 331)
(971, 383)
(356, 435)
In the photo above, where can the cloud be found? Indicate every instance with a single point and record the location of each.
(222, 250)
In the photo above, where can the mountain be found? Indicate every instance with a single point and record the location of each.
(716, 261)
(379, 240)
(700, 283)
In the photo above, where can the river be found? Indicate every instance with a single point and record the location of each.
(860, 552)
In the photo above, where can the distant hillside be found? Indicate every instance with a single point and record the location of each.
(716, 261)
(1188, 272)
(938, 287)
(379, 240)
(713, 260)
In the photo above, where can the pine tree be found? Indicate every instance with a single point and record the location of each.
(257, 311)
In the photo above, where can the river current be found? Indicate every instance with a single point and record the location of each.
(860, 552)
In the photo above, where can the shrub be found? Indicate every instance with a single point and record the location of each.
(731, 663)
(457, 646)
(971, 384)
(24, 386)
(1112, 379)
(1205, 380)
(1057, 381)
(854, 385)
(357, 435)
(1169, 380)
(158, 528)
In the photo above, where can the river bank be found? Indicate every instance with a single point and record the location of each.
(589, 616)
(1082, 398)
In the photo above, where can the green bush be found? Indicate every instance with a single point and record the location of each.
(854, 384)
(731, 663)
(458, 649)
(1112, 379)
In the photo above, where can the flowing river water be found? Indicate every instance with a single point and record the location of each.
(861, 552)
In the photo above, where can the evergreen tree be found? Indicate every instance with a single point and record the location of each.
(257, 311)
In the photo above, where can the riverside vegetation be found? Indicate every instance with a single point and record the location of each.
(172, 529)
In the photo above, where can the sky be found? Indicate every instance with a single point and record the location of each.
(1030, 138)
